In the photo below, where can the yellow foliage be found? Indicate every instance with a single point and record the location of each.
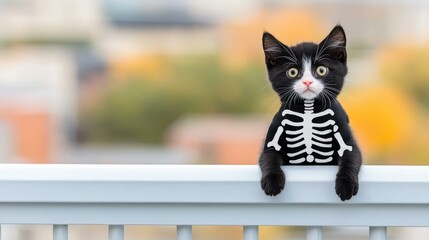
(150, 66)
(406, 67)
(272, 232)
(417, 150)
(383, 119)
(403, 63)
(242, 40)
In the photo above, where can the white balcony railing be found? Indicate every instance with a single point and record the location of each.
(117, 195)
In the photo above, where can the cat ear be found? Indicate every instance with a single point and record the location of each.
(273, 48)
(335, 43)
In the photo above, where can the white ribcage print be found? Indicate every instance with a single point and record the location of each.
(309, 134)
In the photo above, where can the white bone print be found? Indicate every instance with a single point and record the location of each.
(275, 142)
(308, 136)
(343, 145)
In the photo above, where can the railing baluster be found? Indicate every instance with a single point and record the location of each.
(314, 233)
(60, 232)
(184, 232)
(377, 233)
(116, 232)
(250, 232)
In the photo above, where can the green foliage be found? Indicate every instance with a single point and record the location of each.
(139, 110)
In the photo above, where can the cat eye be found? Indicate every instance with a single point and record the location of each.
(322, 71)
(292, 72)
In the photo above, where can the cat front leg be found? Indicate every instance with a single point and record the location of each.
(347, 181)
(273, 178)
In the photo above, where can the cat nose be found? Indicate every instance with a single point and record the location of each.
(307, 82)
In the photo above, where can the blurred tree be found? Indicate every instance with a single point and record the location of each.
(408, 68)
(150, 92)
(390, 118)
(382, 133)
(140, 108)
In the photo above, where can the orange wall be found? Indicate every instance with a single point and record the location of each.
(238, 151)
(222, 150)
(31, 133)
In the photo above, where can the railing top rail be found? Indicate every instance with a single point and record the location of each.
(208, 195)
(204, 184)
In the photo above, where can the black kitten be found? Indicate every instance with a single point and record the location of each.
(311, 127)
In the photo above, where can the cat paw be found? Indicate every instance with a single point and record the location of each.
(346, 188)
(274, 183)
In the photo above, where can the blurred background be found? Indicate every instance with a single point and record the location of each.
(184, 82)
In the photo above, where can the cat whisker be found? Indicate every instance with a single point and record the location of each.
(288, 58)
(268, 99)
(332, 87)
(324, 101)
(293, 95)
(330, 96)
(322, 57)
(355, 82)
(291, 53)
(288, 97)
(296, 97)
(283, 92)
(265, 86)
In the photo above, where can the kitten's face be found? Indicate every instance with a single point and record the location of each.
(307, 70)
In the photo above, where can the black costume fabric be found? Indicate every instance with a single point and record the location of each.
(309, 133)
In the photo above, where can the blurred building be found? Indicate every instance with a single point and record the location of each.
(49, 21)
(36, 101)
(25, 134)
(220, 139)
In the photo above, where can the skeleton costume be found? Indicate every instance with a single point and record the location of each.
(309, 133)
